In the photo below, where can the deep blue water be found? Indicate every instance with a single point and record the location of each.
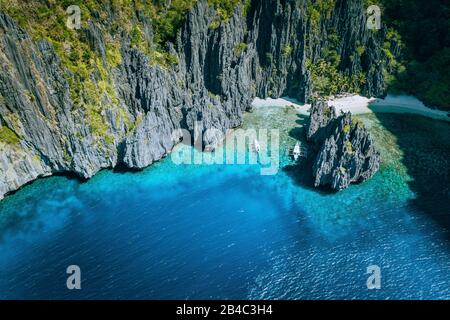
(178, 232)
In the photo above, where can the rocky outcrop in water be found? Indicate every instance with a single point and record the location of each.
(345, 151)
(262, 51)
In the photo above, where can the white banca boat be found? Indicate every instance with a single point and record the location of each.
(298, 151)
(256, 146)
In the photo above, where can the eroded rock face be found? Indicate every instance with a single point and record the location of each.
(213, 83)
(345, 150)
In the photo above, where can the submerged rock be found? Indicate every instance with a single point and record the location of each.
(345, 151)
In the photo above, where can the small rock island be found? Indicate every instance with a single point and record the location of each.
(344, 150)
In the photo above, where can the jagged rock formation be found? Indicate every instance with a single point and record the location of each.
(260, 52)
(345, 150)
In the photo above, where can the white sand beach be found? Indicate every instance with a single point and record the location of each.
(360, 105)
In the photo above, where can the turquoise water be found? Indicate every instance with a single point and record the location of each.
(224, 231)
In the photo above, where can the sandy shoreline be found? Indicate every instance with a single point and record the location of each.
(362, 105)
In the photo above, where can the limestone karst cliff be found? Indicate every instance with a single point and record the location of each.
(345, 151)
(125, 107)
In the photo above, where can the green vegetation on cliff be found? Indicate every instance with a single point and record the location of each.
(89, 74)
(167, 18)
(319, 9)
(327, 75)
(328, 80)
(424, 28)
(8, 136)
(416, 51)
(47, 19)
(225, 8)
(417, 29)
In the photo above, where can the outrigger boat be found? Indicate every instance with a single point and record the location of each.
(256, 146)
(298, 151)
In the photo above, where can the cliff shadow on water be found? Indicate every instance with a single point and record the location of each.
(300, 172)
(20, 212)
(425, 147)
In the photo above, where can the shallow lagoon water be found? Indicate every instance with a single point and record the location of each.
(224, 231)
